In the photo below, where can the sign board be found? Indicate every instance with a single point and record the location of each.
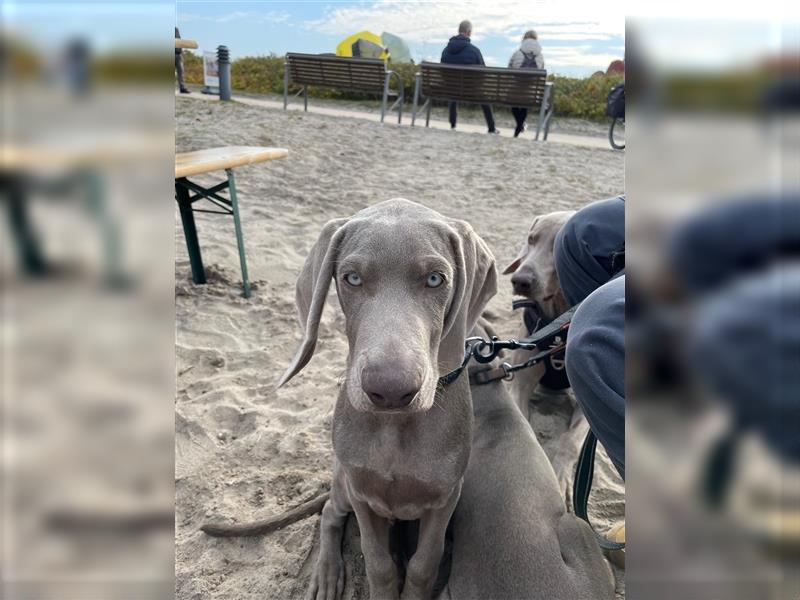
(210, 70)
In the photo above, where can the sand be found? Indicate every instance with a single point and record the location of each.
(244, 450)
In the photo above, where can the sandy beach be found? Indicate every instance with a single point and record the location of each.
(246, 451)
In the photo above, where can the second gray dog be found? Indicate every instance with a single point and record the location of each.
(512, 537)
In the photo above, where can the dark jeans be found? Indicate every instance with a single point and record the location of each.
(520, 114)
(487, 113)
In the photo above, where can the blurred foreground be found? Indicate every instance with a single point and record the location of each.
(87, 289)
(713, 306)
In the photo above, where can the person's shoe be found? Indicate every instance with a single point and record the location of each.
(185, 91)
(494, 132)
(617, 534)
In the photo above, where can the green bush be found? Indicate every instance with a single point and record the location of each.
(581, 98)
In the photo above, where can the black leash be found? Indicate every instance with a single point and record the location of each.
(485, 351)
(584, 474)
(550, 339)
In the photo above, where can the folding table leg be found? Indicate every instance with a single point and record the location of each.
(238, 225)
(29, 249)
(110, 232)
(190, 233)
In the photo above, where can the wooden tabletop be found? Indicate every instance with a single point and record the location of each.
(184, 43)
(228, 157)
(116, 148)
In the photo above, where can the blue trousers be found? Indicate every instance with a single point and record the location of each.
(589, 256)
(738, 262)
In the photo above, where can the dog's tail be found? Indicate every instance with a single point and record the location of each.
(270, 524)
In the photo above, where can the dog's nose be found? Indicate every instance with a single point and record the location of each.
(522, 282)
(390, 386)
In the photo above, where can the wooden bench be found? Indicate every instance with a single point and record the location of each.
(527, 88)
(351, 74)
(187, 192)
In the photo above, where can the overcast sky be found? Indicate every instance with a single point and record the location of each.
(578, 38)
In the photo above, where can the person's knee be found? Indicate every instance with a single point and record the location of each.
(589, 248)
(595, 363)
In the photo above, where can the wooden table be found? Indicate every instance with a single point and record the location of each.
(58, 166)
(187, 192)
(183, 43)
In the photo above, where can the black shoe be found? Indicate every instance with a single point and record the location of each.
(185, 91)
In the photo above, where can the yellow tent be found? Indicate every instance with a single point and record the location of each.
(363, 44)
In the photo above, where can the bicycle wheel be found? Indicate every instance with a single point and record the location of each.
(616, 134)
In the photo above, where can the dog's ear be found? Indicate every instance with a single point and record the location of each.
(475, 283)
(517, 261)
(311, 291)
(523, 252)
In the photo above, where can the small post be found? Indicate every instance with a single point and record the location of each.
(223, 60)
(305, 98)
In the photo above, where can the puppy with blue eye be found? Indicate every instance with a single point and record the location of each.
(411, 284)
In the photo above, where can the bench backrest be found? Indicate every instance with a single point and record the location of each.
(489, 85)
(357, 74)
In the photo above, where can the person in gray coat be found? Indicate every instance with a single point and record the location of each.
(527, 56)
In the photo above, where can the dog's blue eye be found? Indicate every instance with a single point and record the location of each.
(353, 279)
(434, 280)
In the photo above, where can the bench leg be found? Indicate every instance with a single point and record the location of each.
(190, 233)
(400, 100)
(305, 98)
(415, 102)
(238, 226)
(385, 96)
(285, 86)
(549, 115)
(543, 110)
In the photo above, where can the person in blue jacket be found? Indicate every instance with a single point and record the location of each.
(461, 51)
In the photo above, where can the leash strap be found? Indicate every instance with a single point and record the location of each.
(549, 339)
(584, 473)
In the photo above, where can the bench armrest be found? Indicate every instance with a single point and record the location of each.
(389, 74)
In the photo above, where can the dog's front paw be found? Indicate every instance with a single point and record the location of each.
(327, 581)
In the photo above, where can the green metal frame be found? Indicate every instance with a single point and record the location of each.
(187, 193)
(17, 189)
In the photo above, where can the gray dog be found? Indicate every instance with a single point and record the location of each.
(512, 537)
(411, 284)
(534, 277)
